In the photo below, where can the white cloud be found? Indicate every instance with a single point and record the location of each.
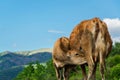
(116, 39)
(114, 28)
(112, 23)
(56, 31)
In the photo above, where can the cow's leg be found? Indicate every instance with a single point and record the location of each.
(84, 71)
(90, 72)
(102, 71)
(95, 58)
(66, 71)
(94, 72)
(102, 66)
(87, 46)
(91, 65)
(90, 61)
(58, 72)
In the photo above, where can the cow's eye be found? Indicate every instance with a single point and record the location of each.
(76, 54)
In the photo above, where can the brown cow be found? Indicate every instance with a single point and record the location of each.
(100, 46)
(63, 58)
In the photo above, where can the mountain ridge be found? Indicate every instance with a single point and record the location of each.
(14, 62)
(10, 59)
(27, 52)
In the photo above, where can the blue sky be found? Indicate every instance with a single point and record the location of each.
(34, 24)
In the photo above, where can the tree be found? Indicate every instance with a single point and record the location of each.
(116, 49)
(50, 71)
(115, 72)
(39, 72)
(113, 60)
(26, 74)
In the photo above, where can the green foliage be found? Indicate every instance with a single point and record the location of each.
(26, 73)
(113, 67)
(76, 73)
(115, 72)
(113, 60)
(37, 71)
(50, 71)
(116, 49)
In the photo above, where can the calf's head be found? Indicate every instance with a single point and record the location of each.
(76, 57)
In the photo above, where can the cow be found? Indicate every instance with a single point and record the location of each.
(99, 48)
(64, 58)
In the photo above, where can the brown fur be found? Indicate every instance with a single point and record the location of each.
(98, 46)
(61, 46)
(64, 58)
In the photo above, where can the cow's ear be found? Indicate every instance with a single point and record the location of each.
(81, 50)
(80, 47)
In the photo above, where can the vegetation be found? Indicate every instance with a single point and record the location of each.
(47, 72)
(37, 72)
(115, 49)
(115, 72)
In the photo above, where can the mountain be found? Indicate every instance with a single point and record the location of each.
(14, 61)
(10, 73)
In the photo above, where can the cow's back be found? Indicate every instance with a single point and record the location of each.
(98, 29)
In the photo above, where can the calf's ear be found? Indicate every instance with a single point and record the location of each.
(68, 54)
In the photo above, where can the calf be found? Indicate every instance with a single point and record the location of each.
(63, 58)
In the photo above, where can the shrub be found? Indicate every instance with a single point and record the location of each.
(115, 49)
(115, 72)
(112, 61)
